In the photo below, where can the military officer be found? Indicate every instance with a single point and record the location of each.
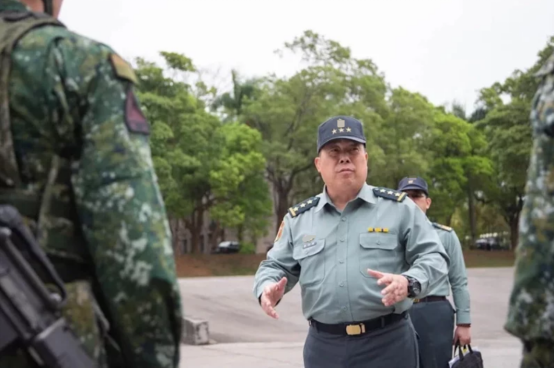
(360, 254)
(433, 316)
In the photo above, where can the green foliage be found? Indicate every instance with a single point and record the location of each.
(202, 165)
(247, 248)
(229, 154)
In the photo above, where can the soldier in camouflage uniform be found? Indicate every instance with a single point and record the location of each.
(75, 161)
(531, 312)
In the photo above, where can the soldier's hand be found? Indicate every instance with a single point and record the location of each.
(271, 295)
(396, 288)
(462, 335)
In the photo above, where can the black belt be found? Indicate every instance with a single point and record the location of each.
(358, 328)
(430, 298)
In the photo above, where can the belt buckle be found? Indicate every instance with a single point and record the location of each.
(417, 300)
(355, 329)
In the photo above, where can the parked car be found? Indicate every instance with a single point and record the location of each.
(227, 247)
(490, 243)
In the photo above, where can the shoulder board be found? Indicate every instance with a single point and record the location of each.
(303, 206)
(393, 195)
(442, 227)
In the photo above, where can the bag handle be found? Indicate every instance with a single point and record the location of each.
(460, 352)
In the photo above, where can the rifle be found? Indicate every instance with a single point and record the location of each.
(30, 313)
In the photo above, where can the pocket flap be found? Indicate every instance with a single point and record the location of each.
(378, 241)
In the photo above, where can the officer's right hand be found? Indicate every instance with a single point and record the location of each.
(271, 295)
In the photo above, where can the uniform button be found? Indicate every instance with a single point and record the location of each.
(378, 242)
(341, 261)
(343, 219)
(342, 240)
(341, 284)
(343, 308)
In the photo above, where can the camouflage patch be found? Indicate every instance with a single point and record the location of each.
(134, 118)
(122, 68)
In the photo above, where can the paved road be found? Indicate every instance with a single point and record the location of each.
(245, 337)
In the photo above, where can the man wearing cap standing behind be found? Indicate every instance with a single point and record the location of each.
(360, 254)
(433, 316)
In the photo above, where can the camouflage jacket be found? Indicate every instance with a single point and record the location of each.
(531, 310)
(72, 106)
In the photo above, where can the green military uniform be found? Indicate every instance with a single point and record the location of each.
(328, 252)
(75, 161)
(531, 308)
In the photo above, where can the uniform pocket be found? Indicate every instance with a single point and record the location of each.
(378, 252)
(311, 258)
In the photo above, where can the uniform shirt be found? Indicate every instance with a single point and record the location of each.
(328, 252)
(69, 92)
(457, 277)
(531, 307)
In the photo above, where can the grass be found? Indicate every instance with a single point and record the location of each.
(246, 264)
(483, 258)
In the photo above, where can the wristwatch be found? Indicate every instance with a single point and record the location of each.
(414, 287)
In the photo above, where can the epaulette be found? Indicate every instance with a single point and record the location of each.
(442, 227)
(393, 195)
(303, 206)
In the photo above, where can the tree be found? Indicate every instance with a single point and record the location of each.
(287, 111)
(201, 164)
(507, 128)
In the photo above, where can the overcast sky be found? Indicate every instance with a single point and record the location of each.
(444, 49)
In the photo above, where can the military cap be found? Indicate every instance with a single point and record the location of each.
(413, 184)
(340, 127)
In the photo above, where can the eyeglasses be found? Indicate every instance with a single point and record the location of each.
(416, 195)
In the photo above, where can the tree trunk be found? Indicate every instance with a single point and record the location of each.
(514, 232)
(513, 221)
(280, 196)
(173, 226)
(240, 233)
(449, 219)
(194, 224)
(471, 212)
(215, 236)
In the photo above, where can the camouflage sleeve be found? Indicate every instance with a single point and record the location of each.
(531, 307)
(119, 203)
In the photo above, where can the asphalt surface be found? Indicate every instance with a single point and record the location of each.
(245, 337)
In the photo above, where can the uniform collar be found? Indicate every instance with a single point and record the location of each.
(12, 5)
(365, 194)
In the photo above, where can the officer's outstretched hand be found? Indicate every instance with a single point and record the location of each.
(271, 295)
(397, 286)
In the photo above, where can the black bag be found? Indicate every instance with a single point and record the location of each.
(472, 359)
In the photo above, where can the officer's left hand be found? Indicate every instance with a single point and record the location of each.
(462, 335)
(397, 286)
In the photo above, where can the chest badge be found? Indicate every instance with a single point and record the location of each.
(308, 240)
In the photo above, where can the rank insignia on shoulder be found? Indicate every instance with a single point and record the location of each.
(303, 206)
(391, 194)
(442, 227)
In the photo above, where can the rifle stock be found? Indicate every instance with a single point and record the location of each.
(30, 314)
